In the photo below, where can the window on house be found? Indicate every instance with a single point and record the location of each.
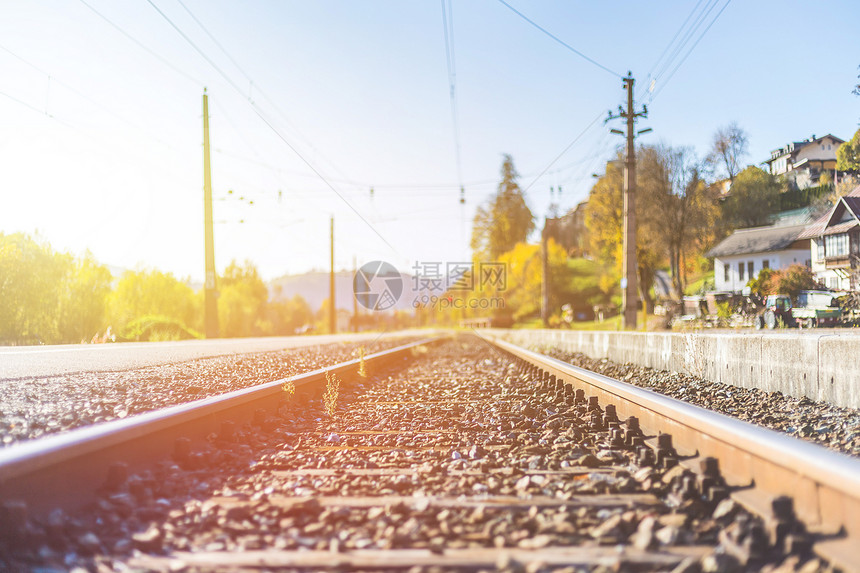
(765, 264)
(750, 269)
(836, 245)
(727, 268)
(741, 272)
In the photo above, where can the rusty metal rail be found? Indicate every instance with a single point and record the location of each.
(759, 465)
(66, 470)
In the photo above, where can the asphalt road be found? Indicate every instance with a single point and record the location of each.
(44, 361)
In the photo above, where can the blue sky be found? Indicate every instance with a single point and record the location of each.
(101, 146)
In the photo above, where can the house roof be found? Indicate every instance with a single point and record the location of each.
(822, 226)
(757, 240)
(795, 147)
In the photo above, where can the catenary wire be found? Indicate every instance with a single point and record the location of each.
(260, 91)
(685, 39)
(140, 44)
(448, 22)
(565, 150)
(268, 122)
(559, 40)
(675, 37)
(693, 47)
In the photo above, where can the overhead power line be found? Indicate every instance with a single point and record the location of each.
(686, 37)
(203, 55)
(675, 59)
(565, 150)
(324, 180)
(693, 47)
(143, 46)
(448, 28)
(672, 41)
(267, 121)
(214, 39)
(559, 40)
(29, 106)
(256, 87)
(79, 93)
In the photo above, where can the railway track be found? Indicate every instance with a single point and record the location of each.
(457, 455)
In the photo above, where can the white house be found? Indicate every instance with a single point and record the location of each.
(803, 162)
(743, 254)
(835, 246)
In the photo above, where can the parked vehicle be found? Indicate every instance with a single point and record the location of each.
(719, 309)
(811, 309)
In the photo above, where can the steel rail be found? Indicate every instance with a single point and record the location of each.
(761, 463)
(67, 470)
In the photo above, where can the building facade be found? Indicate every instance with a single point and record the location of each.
(803, 162)
(835, 244)
(741, 256)
(570, 231)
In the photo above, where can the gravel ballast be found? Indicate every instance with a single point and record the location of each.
(824, 424)
(31, 408)
(462, 450)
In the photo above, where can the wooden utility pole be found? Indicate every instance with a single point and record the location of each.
(354, 298)
(629, 286)
(332, 308)
(210, 293)
(544, 267)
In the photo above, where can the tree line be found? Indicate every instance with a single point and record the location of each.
(686, 203)
(500, 233)
(50, 297)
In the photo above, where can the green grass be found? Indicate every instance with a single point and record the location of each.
(154, 328)
(702, 284)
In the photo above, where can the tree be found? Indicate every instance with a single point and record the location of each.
(790, 281)
(856, 90)
(505, 220)
(83, 300)
(242, 301)
(31, 276)
(152, 293)
(729, 147)
(764, 283)
(754, 198)
(603, 215)
(675, 213)
(676, 199)
(286, 316)
(524, 280)
(603, 218)
(848, 154)
(794, 279)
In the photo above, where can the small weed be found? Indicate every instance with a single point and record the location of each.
(289, 388)
(362, 366)
(694, 355)
(330, 396)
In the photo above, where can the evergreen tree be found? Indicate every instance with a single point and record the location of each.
(505, 220)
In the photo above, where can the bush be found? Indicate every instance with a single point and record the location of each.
(794, 279)
(765, 283)
(154, 328)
